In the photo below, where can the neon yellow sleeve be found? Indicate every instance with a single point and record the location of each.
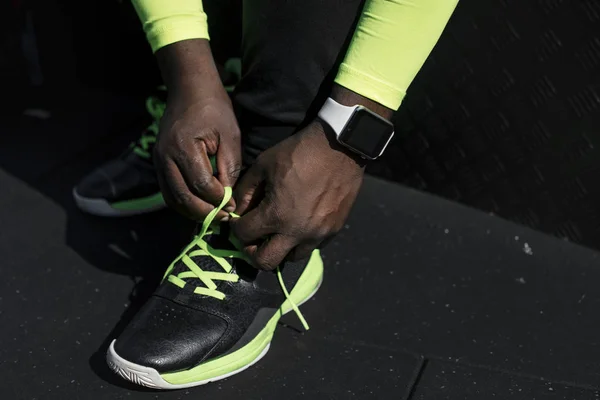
(169, 21)
(391, 42)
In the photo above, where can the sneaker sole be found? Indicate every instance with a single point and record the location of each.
(231, 364)
(103, 208)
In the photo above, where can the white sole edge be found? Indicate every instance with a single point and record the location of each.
(149, 377)
(102, 208)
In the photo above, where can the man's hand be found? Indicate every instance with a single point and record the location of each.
(198, 123)
(296, 195)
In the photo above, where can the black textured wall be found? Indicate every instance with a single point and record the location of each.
(505, 115)
(100, 43)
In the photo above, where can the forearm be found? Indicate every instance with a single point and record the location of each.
(391, 42)
(177, 31)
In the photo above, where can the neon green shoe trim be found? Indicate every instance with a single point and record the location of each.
(309, 281)
(144, 203)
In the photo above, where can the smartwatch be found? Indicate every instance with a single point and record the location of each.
(358, 128)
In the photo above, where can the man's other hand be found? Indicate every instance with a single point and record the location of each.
(297, 194)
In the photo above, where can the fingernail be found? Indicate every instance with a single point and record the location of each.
(225, 218)
(230, 209)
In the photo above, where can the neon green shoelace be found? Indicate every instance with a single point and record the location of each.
(156, 108)
(199, 247)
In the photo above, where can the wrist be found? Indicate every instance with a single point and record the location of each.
(189, 71)
(347, 97)
(329, 143)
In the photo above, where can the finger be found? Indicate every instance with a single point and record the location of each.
(254, 226)
(228, 165)
(198, 176)
(272, 252)
(302, 251)
(249, 190)
(178, 196)
(229, 162)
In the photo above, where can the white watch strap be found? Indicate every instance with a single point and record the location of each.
(336, 115)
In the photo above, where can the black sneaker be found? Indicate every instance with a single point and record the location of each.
(126, 185)
(212, 316)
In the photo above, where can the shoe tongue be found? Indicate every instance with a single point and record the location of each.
(206, 263)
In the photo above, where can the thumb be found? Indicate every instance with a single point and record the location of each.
(228, 164)
(249, 190)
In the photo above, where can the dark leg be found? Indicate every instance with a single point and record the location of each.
(290, 54)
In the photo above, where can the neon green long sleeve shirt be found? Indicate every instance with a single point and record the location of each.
(391, 42)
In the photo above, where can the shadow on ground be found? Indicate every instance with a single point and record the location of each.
(52, 155)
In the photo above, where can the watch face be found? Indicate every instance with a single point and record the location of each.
(367, 133)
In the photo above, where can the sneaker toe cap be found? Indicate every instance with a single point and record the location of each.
(117, 180)
(167, 336)
(101, 183)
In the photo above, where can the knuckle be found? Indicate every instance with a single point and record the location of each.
(181, 198)
(207, 140)
(204, 142)
(201, 182)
